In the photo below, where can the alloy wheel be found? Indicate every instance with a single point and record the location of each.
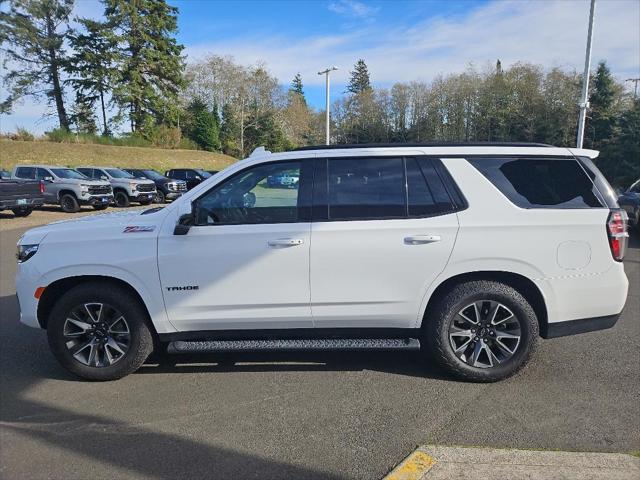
(96, 334)
(485, 334)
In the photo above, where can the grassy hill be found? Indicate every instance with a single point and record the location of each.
(78, 154)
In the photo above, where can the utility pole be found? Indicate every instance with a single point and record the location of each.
(326, 73)
(635, 88)
(584, 100)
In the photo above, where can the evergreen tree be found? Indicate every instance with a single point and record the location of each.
(600, 127)
(296, 85)
(360, 81)
(32, 36)
(92, 64)
(230, 131)
(204, 127)
(150, 61)
(83, 116)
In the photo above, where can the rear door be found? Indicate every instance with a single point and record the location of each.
(384, 228)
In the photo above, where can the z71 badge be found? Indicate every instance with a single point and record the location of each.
(139, 228)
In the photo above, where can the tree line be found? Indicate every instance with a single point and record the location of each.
(128, 72)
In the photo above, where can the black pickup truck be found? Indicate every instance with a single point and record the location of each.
(20, 196)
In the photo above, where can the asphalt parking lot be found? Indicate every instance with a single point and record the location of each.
(320, 415)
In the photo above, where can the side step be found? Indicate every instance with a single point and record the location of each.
(289, 345)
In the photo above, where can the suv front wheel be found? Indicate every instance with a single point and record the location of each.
(481, 331)
(98, 332)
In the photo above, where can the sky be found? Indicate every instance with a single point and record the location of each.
(399, 40)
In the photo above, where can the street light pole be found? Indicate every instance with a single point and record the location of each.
(326, 73)
(584, 101)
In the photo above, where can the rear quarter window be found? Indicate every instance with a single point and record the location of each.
(541, 182)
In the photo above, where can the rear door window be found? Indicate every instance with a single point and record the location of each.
(366, 188)
(426, 194)
(26, 173)
(541, 182)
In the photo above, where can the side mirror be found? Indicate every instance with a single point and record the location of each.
(199, 178)
(48, 179)
(185, 222)
(104, 177)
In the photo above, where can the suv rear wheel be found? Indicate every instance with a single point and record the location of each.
(481, 331)
(69, 203)
(22, 211)
(99, 331)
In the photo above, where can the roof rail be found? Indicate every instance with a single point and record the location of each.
(436, 144)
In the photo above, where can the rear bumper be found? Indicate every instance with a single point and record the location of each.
(575, 327)
(28, 202)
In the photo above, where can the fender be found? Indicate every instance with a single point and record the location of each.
(486, 265)
(152, 300)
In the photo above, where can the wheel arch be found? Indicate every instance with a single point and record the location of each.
(57, 288)
(525, 286)
(66, 191)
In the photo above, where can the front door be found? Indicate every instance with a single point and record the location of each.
(245, 263)
(386, 229)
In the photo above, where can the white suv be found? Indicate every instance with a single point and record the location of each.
(470, 251)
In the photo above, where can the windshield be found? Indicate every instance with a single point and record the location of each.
(68, 173)
(152, 174)
(117, 173)
(202, 173)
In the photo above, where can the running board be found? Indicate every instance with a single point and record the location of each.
(289, 345)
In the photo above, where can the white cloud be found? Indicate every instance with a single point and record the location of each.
(352, 8)
(550, 33)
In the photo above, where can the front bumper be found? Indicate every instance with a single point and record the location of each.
(172, 195)
(142, 196)
(96, 199)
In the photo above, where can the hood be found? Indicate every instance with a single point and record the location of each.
(93, 225)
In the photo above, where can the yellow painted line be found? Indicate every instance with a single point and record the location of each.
(413, 467)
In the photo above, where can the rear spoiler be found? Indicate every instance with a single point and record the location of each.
(584, 152)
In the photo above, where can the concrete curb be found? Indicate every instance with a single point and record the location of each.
(432, 462)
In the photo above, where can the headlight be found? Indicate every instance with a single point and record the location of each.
(133, 186)
(84, 189)
(25, 252)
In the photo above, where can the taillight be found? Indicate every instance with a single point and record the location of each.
(41, 186)
(617, 232)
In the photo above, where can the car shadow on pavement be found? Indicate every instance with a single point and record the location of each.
(130, 449)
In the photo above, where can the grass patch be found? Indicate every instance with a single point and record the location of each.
(75, 155)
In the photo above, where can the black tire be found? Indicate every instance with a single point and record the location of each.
(69, 203)
(160, 197)
(100, 207)
(140, 341)
(121, 198)
(446, 310)
(146, 202)
(22, 211)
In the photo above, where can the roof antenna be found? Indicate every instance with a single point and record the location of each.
(259, 151)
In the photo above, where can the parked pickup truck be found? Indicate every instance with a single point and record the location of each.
(67, 187)
(126, 187)
(21, 196)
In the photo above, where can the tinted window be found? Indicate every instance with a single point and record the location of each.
(252, 196)
(426, 193)
(68, 173)
(26, 172)
(635, 188)
(366, 188)
(117, 173)
(602, 185)
(86, 171)
(540, 183)
(42, 173)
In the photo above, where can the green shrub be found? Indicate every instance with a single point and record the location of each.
(60, 135)
(163, 136)
(22, 135)
(187, 144)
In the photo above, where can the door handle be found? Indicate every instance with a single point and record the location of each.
(420, 239)
(285, 242)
